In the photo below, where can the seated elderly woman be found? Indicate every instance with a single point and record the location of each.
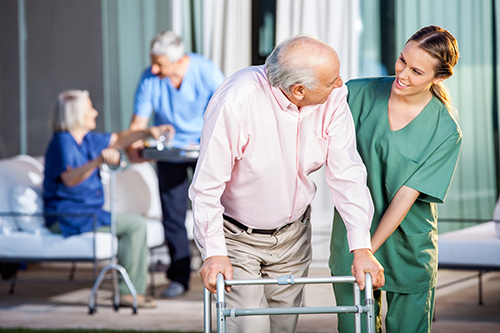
(73, 185)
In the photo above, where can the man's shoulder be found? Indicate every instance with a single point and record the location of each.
(253, 73)
(246, 80)
(199, 60)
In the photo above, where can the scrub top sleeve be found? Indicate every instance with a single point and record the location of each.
(68, 152)
(55, 160)
(98, 142)
(143, 105)
(434, 177)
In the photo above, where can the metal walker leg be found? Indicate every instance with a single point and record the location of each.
(114, 267)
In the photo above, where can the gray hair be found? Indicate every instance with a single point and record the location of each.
(68, 111)
(167, 44)
(284, 72)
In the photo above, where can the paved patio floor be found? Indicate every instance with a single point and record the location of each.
(64, 304)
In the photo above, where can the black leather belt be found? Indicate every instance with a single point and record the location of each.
(261, 231)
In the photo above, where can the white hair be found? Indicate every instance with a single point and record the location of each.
(68, 111)
(167, 44)
(284, 72)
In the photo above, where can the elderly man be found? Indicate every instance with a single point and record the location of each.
(177, 87)
(266, 129)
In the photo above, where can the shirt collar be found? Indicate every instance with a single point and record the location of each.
(286, 105)
(283, 101)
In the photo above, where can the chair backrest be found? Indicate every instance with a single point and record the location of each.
(136, 191)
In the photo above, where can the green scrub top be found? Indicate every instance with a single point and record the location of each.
(422, 156)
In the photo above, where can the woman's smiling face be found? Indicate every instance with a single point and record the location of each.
(414, 71)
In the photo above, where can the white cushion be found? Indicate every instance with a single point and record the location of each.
(137, 191)
(472, 246)
(25, 200)
(17, 170)
(7, 226)
(155, 233)
(26, 245)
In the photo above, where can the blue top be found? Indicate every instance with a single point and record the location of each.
(183, 108)
(86, 197)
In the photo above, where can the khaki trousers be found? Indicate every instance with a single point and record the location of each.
(255, 256)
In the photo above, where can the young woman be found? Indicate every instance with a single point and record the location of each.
(72, 184)
(409, 140)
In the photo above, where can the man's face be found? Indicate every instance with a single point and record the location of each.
(162, 67)
(320, 94)
(329, 79)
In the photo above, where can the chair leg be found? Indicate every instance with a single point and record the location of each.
(13, 284)
(72, 271)
(480, 285)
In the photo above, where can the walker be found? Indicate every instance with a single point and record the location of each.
(368, 308)
(113, 265)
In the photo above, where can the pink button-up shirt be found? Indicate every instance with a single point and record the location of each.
(257, 150)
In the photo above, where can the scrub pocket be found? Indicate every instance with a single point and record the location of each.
(417, 257)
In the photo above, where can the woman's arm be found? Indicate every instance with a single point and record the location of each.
(73, 177)
(123, 139)
(395, 213)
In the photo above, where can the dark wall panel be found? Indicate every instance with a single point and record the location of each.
(9, 79)
(64, 51)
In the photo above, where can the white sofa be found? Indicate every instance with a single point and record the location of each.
(24, 237)
(472, 248)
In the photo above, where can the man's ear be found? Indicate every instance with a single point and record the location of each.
(298, 91)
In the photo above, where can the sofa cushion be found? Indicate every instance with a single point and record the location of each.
(7, 226)
(28, 246)
(27, 201)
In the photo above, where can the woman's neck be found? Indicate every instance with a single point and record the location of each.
(403, 109)
(78, 134)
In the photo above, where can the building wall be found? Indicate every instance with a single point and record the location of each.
(63, 51)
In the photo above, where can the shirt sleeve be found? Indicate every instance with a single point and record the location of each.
(433, 177)
(220, 146)
(346, 176)
(143, 105)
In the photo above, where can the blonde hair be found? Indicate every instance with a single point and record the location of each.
(68, 111)
(443, 48)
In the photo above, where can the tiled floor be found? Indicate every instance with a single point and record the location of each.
(65, 305)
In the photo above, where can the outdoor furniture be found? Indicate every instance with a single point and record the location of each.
(24, 238)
